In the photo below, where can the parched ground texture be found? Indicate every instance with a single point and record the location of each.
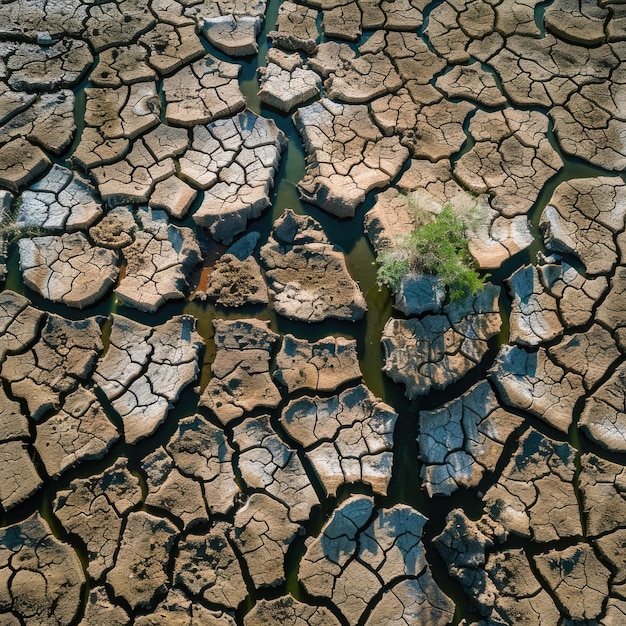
(210, 414)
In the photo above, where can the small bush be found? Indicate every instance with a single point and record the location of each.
(440, 247)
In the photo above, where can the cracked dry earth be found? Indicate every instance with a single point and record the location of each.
(210, 414)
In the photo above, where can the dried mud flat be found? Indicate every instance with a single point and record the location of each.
(210, 414)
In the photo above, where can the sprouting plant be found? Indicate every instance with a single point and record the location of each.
(11, 230)
(438, 245)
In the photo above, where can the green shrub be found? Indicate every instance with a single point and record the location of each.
(438, 246)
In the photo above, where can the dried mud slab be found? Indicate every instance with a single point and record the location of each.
(145, 370)
(348, 155)
(348, 438)
(61, 200)
(236, 161)
(603, 418)
(533, 382)
(117, 23)
(296, 28)
(438, 350)
(583, 218)
(68, 268)
(416, 600)
(140, 572)
(577, 578)
(502, 585)
(19, 479)
(232, 27)
(115, 230)
(535, 495)
(602, 484)
(265, 462)
(577, 22)
(534, 311)
(358, 79)
(171, 45)
(592, 354)
(157, 263)
(577, 297)
(171, 491)
(286, 85)
(546, 72)
(95, 509)
(122, 66)
(19, 323)
(81, 431)
(202, 92)
(55, 366)
(471, 82)
(360, 550)
(236, 279)
(201, 451)
(592, 125)
(33, 67)
(42, 576)
(100, 610)
(207, 566)
(47, 123)
(28, 18)
(178, 610)
(322, 366)
(464, 438)
(262, 534)
(240, 379)
(307, 275)
(511, 159)
(21, 163)
(457, 30)
(289, 612)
